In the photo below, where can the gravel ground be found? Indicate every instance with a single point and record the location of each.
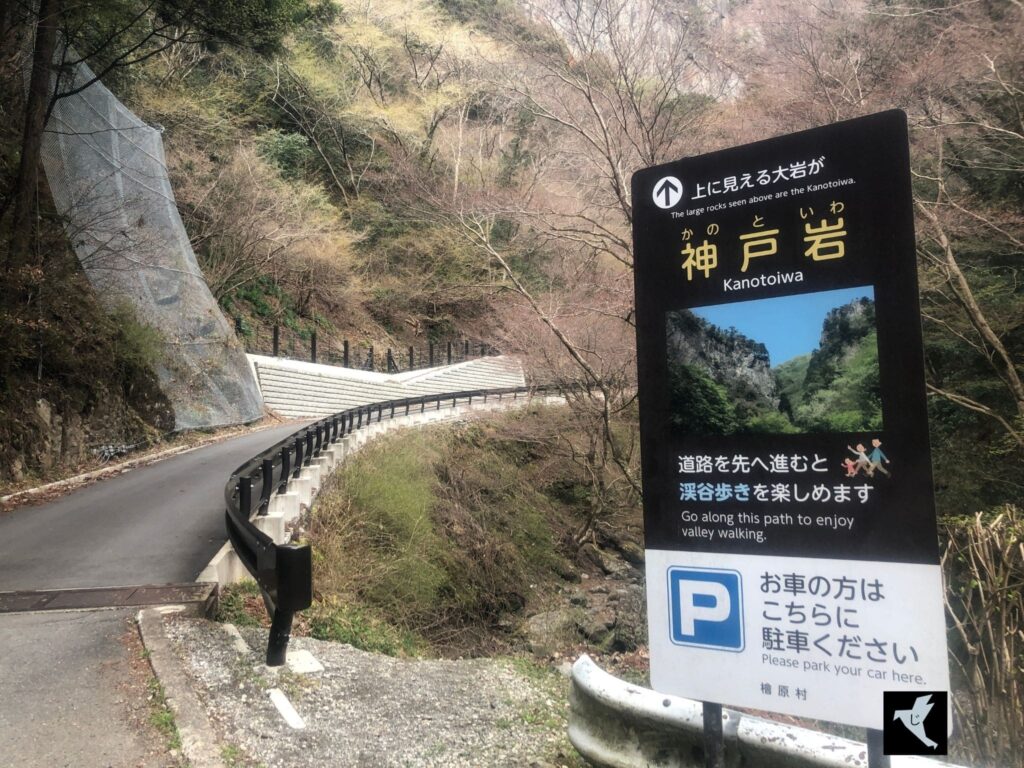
(369, 710)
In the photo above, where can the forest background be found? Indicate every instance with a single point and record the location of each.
(402, 171)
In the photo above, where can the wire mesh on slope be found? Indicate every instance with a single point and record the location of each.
(108, 177)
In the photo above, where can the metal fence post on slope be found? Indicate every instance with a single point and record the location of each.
(449, 353)
(411, 358)
(465, 350)
(344, 353)
(277, 340)
(245, 493)
(430, 355)
(312, 347)
(369, 359)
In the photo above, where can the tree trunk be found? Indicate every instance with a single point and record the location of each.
(32, 139)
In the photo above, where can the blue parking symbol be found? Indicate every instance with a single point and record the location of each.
(705, 607)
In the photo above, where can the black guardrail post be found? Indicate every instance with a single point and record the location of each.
(430, 355)
(294, 593)
(245, 495)
(344, 353)
(449, 353)
(267, 487)
(312, 347)
(465, 350)
(277, 340)
(411, 359)
(298, 456)
(286, 468)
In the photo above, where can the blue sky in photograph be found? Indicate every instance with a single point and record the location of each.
(788, 326)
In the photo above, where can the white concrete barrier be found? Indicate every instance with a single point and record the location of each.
(617, 724)
(294, 388)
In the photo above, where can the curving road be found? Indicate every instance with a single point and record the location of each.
(158, 524)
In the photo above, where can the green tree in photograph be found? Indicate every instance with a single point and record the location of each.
(699, 405)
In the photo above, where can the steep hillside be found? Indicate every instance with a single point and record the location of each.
(720, 380)
(299, 177)
(839, 389)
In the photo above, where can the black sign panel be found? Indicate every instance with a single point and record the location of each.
(782, 401)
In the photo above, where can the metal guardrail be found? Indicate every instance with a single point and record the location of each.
(615, 723)
(284, 572)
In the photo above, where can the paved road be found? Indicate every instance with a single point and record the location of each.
(154, 525)
(69, 696)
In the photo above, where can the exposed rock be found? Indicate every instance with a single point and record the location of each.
(632, 552)
(729, 357)
(549, 631)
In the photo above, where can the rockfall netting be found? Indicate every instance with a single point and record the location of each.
(108, 177)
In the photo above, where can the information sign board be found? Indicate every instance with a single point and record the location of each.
(792, 560)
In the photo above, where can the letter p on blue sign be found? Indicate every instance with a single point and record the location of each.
(705, 608)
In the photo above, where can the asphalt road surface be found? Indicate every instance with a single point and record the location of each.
(158, 524)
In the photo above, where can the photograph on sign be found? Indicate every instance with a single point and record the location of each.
(790, 530)
(809, 364)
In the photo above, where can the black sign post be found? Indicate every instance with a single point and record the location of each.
(792, 560)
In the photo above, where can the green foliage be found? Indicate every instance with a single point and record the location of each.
(240, 604)
(256, 24)
(438, 533)
(770, 423)
(329, 619)
(290, 153)
(137, 346)
(699, 405)
(833, 389)
(160, 715)
(975, 466)
(851, 400)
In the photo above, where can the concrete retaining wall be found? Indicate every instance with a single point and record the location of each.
(294, 388)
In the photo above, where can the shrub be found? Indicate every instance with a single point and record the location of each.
(984, 566)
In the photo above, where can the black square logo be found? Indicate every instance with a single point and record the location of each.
(915, 722)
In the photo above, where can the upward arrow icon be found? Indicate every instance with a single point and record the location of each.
(667, 192)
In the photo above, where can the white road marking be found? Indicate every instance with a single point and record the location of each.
(286, 709)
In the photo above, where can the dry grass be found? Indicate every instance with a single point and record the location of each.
(984, 566)
(444, 534)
